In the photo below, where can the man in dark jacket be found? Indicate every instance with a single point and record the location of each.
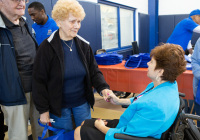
(17, 53)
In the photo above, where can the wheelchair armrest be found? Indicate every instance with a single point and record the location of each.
(190, 116)
(181, 94)
(128, 137)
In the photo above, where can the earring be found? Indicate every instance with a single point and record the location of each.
(157, 78)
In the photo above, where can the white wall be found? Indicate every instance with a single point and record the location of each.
(172, 7)
(140, 5)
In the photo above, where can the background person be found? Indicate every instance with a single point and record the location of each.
(3, 128)
(154, 110)
(65, 71)
(17, 54)
(196, 72)
(182, 33)
(44, 25)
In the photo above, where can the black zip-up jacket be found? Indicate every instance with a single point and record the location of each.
(48, 74)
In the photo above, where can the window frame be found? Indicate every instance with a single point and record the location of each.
(118, 6)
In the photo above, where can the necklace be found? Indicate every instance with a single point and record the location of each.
(70, 48)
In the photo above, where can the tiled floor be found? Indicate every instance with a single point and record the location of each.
(102, 109)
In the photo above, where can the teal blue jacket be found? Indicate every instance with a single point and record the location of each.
(151, 114)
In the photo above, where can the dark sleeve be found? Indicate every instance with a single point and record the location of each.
(96, 76)
(40, 77)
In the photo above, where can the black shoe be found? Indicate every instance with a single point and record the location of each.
(30, 137)
(126, 94)
(2, 136)
(5, 128)
(118, 93)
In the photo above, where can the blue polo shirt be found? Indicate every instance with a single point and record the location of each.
(43, 31)
(182, 33)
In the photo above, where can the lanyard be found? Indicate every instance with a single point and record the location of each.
(137, 97)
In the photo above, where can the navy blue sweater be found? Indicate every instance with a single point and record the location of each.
(74, 76)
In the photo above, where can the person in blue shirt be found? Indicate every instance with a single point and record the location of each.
(183, 31)
(44, 25)
(154, 110)
(196, 72)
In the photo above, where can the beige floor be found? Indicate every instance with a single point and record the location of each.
(102, 109)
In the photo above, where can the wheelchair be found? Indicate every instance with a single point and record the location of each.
(183, 127)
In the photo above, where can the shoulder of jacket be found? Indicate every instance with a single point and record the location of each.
(2, 24)
(24, 18)
(50, 38)
(82, 39)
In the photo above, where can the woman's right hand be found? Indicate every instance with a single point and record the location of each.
(44, 117)
(113, 99)
(116, 101)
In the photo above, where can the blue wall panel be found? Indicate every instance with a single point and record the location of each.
(143, 33)
(178, 18)
(91, 25)
(195, 37)
(166, 27)
(54, 2)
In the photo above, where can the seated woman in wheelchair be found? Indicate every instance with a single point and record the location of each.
(154, 110)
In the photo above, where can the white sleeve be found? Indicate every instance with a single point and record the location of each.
(33, 31)
(197, 29)
(189, 46)
(81, 38)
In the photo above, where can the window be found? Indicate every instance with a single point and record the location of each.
(126, 27)
(117, 26)
(109, 30)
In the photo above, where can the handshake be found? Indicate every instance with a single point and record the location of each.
(109, 96)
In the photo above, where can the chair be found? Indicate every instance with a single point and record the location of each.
(135, 47)
(183, 127)
(100, 51)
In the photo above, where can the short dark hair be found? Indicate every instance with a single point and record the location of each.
(169, 57)
(37, 6)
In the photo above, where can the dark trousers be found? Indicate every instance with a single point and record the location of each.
(1, 125)
(197, 110)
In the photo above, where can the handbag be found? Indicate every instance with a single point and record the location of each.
(138, 60)
(61, 135)
(197, 98)
(108, 58)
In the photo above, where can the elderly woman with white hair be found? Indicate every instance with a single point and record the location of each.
(65, 71)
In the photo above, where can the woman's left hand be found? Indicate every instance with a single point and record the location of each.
(99, 123)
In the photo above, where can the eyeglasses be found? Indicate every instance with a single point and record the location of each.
(18, 1)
